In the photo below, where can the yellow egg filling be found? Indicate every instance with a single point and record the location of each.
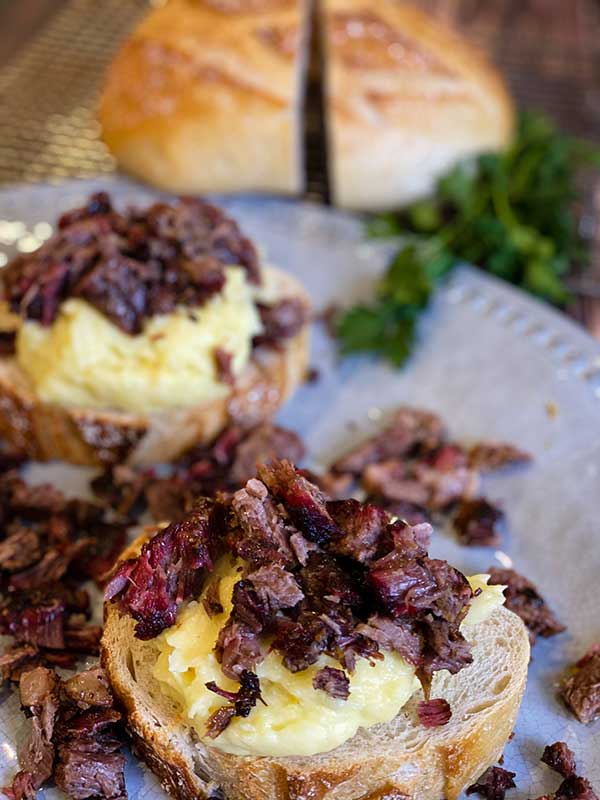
(297, 719)
(84, 360)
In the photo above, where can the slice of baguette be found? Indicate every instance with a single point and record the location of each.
(93, 437)
(386, 762)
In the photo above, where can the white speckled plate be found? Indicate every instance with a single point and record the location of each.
(494, 363)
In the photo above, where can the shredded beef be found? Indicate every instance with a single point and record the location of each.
(434, 713)
(211, 602)
(169, 570)
(523, 598)
(263, 444)
(237, 648)
(475, 522)
(304, 502)
(332, 681)
(89, 689)
(281, 320)
(263, 537)
(560, 758)
(575, 788)
(400, 635)
(224, 365)
(396, 482)
(242, 702)
(275, 587)
(581, 689)
(488, 456)
(409, 428)
(83, 775)
(493, 784)
(362, 526)
(301, 547)
(132, 265)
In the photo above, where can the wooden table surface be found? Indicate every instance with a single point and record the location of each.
(549, 51)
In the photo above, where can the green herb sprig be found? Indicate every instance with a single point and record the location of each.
(512, 213)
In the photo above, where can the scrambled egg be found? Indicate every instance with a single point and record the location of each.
(297, 720)
(84, 360)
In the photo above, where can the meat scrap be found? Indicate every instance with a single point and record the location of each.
(242, 702)
(223, 465)
(414, 471)
(332, 681)
(493, 784)
(523, 598)
(581, 689)
(434, 713)
(75, 738)
(476, 522)
(561, 759)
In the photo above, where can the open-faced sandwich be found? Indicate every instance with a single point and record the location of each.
(136, 334)
(278, 645)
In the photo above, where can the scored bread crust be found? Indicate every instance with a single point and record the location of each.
(390, 761)
(405, 98)
(92, 437)
(205, 96)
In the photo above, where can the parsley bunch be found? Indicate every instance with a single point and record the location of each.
(512, 213)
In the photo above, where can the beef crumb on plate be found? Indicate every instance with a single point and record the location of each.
(581, 689)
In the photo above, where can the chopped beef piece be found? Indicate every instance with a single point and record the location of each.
(409, 428)
(395, 481)
(304, 503)
(237, 649)
(493, 784)
(445, 486)
(523, 598)
(394, 634)
(38, 689)
(264, 538)
(16, 660)
(20, 550)
(302, 641)
(242, 702)
(301, 547)
(122, 489)
(475, 522)
(361, 526)
(323, 579)
(89, 689)
(489, 456)
(212, 602)
(31, 619)
(581, 689)
(83, 775)
(52, 566)
(219, 720)
(224, 366)
(132, 266)
(575, 788)
(560, 758)
(444, 647)
(404, 586)
(333, 681)
(276, 587)
(434, 713)
(411, 541)
(447, 458)
(84, 639)
(263, 444)
(282, 320)
(169, 570)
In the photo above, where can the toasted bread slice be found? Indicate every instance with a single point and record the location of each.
(386, 762)
(92, 437)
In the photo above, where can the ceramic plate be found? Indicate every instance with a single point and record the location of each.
(494, 364)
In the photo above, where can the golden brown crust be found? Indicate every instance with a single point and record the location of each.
(91, 437)
(406, 98)
(205, 96)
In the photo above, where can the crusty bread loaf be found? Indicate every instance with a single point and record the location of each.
(405, 99)
(205, 96)
(386, 762)
(93, 437)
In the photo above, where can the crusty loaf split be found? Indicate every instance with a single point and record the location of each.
(386, 762)
(94, 437)
(205, 96)
(405, 98)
